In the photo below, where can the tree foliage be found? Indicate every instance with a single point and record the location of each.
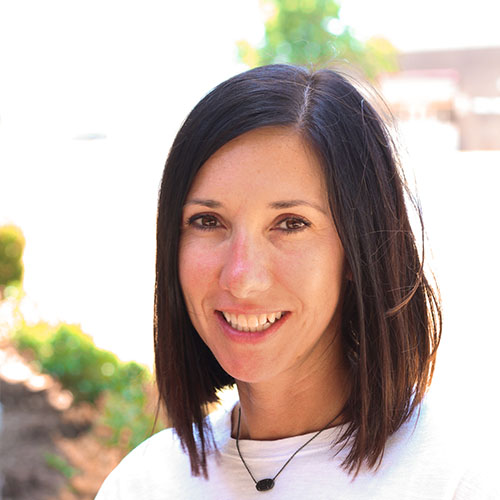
(309, 33)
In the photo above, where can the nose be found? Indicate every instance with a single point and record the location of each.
(245, 271)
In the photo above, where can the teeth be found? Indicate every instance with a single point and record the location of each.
(242, 321)
(252, 322)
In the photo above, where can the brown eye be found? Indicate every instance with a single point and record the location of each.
(293, 224)
(208, 221)
(203, 221)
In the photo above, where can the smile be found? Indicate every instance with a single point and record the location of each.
(251, 322)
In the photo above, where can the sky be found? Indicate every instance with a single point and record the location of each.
(91, 94)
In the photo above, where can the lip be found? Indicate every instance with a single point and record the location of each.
(249, 337)
(248, 310)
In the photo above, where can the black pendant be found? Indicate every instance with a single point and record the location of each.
(265, 485)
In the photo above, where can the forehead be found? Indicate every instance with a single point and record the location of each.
(271, 162)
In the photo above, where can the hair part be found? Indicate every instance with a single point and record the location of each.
(391, 317)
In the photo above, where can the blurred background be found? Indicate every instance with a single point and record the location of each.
(91, 95)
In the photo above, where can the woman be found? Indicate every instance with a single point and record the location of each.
(286, 265)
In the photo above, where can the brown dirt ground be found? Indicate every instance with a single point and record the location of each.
(37, 425)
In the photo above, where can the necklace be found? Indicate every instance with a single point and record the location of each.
(268, 483)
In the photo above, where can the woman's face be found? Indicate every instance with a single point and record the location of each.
(261, 264)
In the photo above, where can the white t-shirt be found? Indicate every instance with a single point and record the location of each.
(422, 461)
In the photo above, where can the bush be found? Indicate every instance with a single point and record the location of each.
(70, 356)
(125, 410)
(11, 252)
(125, 414)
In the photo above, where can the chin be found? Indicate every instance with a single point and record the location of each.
(249, 368)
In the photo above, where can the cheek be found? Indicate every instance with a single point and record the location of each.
(315, 278)
(197, 270)
(315, 275)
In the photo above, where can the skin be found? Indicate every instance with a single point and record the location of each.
(242, 252)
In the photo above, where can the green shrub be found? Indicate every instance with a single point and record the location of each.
(60, 464)
(34, 338)
(126, 415)
(11, 252)
(70, 356)
(126, 411)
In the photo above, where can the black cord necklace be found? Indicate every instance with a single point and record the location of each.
(268, 484)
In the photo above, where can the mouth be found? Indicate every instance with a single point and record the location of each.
(252, 322)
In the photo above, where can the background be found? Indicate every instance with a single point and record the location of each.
(92, 94)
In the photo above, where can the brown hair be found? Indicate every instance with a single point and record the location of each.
(391, 319)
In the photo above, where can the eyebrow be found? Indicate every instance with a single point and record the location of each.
(277, 205)
(205, 203)
(280, 205)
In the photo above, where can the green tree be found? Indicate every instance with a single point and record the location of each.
(11, 264)
(309, 33)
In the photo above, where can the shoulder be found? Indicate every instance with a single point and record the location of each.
(157, 468)
(438, 458)
(478, 483)
(144, 470)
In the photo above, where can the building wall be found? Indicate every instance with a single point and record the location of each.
(474, 108)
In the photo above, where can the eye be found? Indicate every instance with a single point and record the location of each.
(205, 222)
(293, 224)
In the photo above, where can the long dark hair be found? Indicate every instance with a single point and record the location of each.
(391, 319)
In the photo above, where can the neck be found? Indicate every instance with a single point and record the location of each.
(291, 406)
